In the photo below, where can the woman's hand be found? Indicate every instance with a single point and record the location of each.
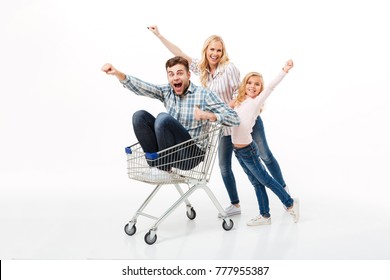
(232, 103)
(154, 30)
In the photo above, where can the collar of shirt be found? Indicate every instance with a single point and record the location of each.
(217, 72)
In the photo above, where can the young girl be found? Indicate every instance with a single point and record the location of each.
(251, 96)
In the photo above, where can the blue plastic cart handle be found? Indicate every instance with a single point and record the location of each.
(128, 150)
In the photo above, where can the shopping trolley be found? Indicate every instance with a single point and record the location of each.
(190, 162)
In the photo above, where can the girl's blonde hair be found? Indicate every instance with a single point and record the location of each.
(241, 89)
(204, 64)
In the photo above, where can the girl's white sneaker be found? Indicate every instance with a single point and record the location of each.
(294, 210)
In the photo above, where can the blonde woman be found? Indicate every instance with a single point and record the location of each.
(251, 96)
(221, 76)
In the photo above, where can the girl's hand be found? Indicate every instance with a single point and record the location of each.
(288, 66)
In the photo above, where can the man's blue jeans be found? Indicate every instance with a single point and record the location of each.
(225, 153)
(162, 132)
(251, 163)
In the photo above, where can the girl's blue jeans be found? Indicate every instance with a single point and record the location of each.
(225, 153)
(259, 177)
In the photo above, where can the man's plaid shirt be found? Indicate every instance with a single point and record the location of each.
(182, 107)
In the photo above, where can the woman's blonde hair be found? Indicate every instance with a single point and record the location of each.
(204, 64)
(241, 89)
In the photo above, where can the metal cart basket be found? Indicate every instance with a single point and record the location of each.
(189, 163)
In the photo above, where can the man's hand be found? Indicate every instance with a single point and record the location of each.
(198, 113)
(111, 70)
(202, 115)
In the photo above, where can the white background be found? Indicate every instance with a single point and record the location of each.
(64, 124)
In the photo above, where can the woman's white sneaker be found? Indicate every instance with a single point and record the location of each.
(259, 221)
(231, 211)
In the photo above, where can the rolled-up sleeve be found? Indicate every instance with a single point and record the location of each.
(194, 66)
(142, 88)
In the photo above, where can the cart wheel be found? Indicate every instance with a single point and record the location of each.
(192, 214)
(130, 231)
(148, 240)
(226, 226)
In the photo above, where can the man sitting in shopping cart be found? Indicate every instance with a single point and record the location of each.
(188, 107)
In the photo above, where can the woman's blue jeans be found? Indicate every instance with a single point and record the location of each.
(250, 162)
(225, 153)
(162, 132)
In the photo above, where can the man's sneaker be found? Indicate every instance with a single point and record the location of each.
(231, 211)
(294, 210)
(153, 174)
(259, 221)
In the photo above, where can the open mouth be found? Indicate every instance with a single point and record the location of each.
(252, 92)
(177, 85)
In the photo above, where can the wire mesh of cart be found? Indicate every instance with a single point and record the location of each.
(190, 162)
